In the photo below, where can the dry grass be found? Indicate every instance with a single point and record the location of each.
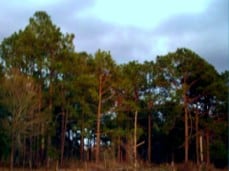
(113, 166)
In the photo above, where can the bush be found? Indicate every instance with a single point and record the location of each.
(219, 154)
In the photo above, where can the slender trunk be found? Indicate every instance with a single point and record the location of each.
(42, 144)
(48, 141)
(40, 139)
(82, 145)
(207, 148)
(89, 150)
(197, 138)
(63, 130)
(50, 110)
(97, 150)
(31, 141)
(186, 125)
(63, 127)
(37, 158)
(30, 152)
(12, 154)
(186, 134)
(24, 151)
(128, 150)
(201, 148)
(135, 138)
(119, 149)
(149, 136)
(92, 150)
(48, 149)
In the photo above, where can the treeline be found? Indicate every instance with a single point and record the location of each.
(58, 105)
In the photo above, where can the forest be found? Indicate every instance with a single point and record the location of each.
(58, 105)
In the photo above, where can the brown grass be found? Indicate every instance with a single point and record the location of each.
(114, 166)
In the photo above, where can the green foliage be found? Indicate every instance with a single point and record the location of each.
(53, 153)
(171, 113)
(225, 77)
(42, 77)
(4, 140)
(19, 99)
(219, 153)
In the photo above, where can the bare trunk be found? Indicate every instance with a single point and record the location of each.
(197, 138)
(186, 132)
(149, 136)
(62, 139)
(41, 139)
(50, 110)
(37, 156)
(42, 143)
(63, 130)
(135, 138)
(48, 149)
(30, 152)
(128, 150)
(119, 149)
(98, 121)
(207, 148)
(90, 150)
(48, 143)
(12, 154)
(201, 149)
(24, 151)
(82, 145)
(186, 136)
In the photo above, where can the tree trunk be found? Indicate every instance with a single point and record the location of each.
(197, 138)
(128, 149)
(207, 148)
(186, 136)
(119, 149)
(135, 138)
(42, 144)
(62, 140)
(12, 154)
(97, 150)
(50, 112)
(63, 131)
(24, 151)
(82, 145)
(186, 131)
(37, 148)
(48, 139)
(149, 136)
(201, 148)
(30, 152)
(48, 151)
(40, 140)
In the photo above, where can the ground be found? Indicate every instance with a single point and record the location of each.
(111, 166)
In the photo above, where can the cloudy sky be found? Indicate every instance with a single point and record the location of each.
(132, 29)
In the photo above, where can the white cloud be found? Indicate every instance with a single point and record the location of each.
(145, 13)
(132, 30)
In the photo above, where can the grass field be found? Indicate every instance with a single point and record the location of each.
(111, 166)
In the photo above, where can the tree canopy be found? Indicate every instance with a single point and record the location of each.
(59, 104)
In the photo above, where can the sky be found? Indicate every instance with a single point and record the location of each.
(132, 29)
